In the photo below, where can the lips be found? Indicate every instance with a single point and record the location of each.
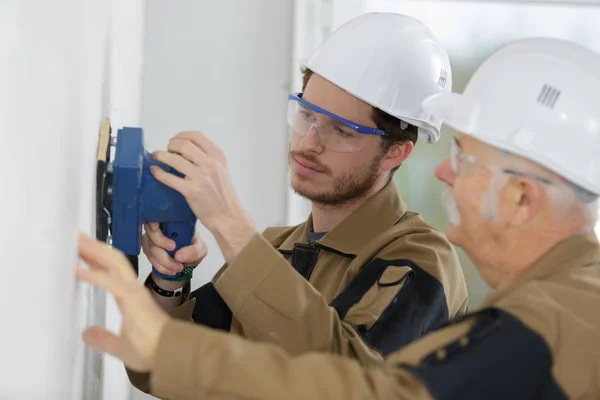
(308, 164)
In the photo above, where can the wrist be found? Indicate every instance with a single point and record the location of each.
(229, 224)
(232, 234)
(168, 285)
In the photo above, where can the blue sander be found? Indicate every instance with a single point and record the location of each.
(128, 196)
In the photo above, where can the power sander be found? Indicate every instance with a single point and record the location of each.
(128, 196)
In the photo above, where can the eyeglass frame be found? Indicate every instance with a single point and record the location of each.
(358, 128)
(457, 155)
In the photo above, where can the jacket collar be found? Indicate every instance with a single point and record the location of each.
(573, 252)
(376, 215)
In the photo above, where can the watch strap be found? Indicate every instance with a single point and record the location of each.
(183, 292)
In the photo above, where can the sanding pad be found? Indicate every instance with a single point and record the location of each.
(104, 141)
(103, 182)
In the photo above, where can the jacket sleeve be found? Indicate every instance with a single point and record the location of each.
(142, 380)
(276, 304)
(471, 358)
(194, 362)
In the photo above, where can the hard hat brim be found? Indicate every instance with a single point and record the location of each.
(462, 114)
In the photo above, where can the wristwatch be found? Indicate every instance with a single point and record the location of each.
(182, 292)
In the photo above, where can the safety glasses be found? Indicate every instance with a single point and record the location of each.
(334, 133)
(458, 158)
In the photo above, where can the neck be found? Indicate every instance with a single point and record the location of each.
(326, 217)
(523, 250)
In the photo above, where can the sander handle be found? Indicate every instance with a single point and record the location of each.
(182, 233)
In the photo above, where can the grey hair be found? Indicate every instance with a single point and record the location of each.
(563, 194)
(490, 204)
(589, 202)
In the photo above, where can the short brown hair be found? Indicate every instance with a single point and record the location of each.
(391, 125)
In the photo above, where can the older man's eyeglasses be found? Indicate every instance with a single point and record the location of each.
(458, 157)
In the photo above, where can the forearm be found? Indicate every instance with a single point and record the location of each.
(141, 380)
(196, 363)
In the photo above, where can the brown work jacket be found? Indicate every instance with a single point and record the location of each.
(379, 280)
(538, 338)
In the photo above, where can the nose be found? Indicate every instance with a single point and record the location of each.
(443, 172)
(311, 142)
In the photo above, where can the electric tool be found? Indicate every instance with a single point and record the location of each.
(128, 196)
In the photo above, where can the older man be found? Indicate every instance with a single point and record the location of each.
(524, 178)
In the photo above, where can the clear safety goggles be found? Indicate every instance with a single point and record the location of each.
(458, 158)
(334, 133)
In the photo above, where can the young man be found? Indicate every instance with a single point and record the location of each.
(523, 206)
(362, 276)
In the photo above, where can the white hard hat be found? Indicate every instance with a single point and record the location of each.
(390, 61)
(538, 98)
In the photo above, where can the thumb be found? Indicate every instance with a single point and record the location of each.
(184, 255)
(153, 226)
(192, 254)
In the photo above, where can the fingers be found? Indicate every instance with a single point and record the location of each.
(188, 150)
(192, 254)
(158, 238)
(151, 226)
(207, 146)
(159, 258)
(103, 340)
(175, 161)
(172, 181)
(102, 279)
(99, 256)
(163, 262)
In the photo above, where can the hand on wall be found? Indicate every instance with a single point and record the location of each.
(143, 320)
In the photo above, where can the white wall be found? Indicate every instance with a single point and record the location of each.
(126, 50)
(223, 68)
(64, 66)
(53, 71)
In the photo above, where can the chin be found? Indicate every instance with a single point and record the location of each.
(300, 185)
(305, 188)
(453, 234)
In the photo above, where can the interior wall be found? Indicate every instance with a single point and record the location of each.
(223, 68)
(94, 100)
(52, 74)
(127, 62)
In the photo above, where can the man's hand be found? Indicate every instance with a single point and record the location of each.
(155, 245)
(208, 189)
(143, 320)
(207, 185)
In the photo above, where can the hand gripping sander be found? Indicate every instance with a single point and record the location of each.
(128, 196)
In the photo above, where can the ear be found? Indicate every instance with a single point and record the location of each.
(523, 200)
(396, 155)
